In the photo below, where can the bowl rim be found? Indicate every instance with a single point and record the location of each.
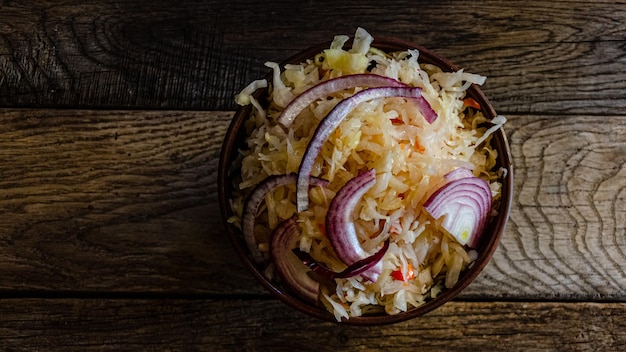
(496, 227)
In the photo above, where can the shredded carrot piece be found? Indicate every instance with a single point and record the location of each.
(470, 102)
(420, 148)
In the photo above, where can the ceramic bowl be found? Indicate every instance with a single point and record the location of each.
(234, 140)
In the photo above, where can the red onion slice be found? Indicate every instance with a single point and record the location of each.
(466, 205)
(330, 123)
(456, 174)
(289, 267)
(340, 227)
(430, 115)
(253, 203)
(352, 270)
(330, 86)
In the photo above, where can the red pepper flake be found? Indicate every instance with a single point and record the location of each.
(410, 274)
(397, 121)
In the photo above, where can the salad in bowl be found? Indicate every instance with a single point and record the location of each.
(365, 180)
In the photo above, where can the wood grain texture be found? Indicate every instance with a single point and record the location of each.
(87, 195)
(566, 236)
(232, 325)
(112, 115)
(549, 57)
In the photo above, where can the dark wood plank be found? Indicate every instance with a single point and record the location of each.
(88, 195)
(548, 57)
(566, 234)
(234, 325)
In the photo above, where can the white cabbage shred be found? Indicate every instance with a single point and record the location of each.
(244, 97)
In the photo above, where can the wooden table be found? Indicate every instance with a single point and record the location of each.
(111, 122)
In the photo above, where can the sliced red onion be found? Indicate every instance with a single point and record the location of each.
(330, 123)
(456, 174)
(430, 115)
(466, 204)
(355, 269)
(253, 202)
(324, 89)
(340, 228)
(293, 272)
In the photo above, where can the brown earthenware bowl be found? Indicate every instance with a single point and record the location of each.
(234, 140)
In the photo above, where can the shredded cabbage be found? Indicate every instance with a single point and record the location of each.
(362, 42)
(244, 97)
(410, 155)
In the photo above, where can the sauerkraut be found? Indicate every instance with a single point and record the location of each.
(390, 135)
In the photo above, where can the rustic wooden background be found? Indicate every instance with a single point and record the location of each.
(112, 115)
